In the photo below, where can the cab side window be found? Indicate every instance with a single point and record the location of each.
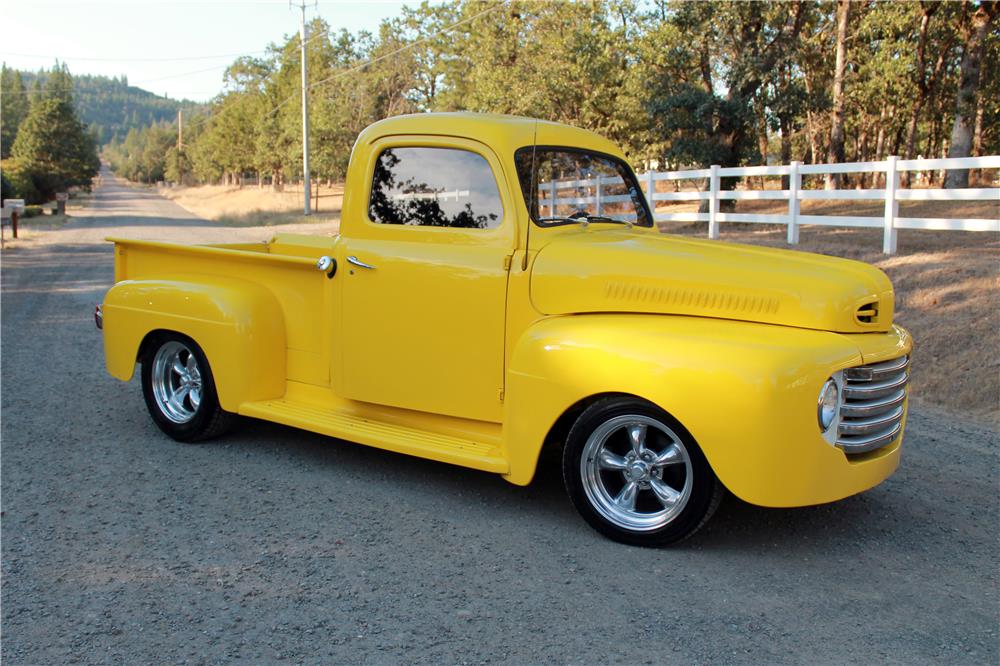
(434, 187)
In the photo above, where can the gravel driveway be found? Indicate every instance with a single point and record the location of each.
(271, 544)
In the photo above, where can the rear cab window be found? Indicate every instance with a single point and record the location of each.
(434, 187)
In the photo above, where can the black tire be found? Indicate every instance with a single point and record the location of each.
(653, 493)
(185, 420)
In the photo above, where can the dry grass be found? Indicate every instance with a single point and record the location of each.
(252, 207)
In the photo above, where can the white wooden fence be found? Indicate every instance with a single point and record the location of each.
(891, 195)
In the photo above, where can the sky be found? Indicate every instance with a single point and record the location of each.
(178, 48)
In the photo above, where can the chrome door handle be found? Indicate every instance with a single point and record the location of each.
(357, 262)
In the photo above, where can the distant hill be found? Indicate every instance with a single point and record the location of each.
(110, 107)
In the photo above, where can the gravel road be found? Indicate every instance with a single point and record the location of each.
(275, 545)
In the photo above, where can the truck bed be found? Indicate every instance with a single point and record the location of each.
(285, 266)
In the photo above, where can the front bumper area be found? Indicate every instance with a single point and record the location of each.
(784, 460)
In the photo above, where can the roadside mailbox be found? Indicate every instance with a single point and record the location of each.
(12, 209)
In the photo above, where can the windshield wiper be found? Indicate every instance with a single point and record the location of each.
(582, 218)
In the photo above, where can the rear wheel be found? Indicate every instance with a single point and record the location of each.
(636, 475)
(179, 389)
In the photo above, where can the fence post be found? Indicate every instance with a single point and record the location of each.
(794, 184)
(650, 191)
(713, 202)
(597, 195)
(552, 198)
(891, 205)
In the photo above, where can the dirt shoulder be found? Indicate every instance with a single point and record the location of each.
(250, 206)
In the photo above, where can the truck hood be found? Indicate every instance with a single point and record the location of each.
(595, 270)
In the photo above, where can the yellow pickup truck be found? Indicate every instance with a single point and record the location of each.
(499, 286)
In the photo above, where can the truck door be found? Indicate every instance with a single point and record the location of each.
(425, 280)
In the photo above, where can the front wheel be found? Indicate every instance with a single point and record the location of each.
(636, 475)
(179, 389)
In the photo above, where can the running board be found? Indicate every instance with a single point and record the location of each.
(420, 443)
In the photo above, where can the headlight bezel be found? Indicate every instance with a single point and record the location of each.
(828, 405)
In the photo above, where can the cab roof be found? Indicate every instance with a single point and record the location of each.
(503, 133)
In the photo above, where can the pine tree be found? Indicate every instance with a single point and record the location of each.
(13, 108)
(53, 147)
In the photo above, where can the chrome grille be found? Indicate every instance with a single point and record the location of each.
(871, 414)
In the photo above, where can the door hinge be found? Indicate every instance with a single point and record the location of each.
(506, 263)
(501, 395)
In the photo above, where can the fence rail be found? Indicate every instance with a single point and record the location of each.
(890, 221)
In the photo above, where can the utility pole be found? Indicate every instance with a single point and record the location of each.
(303, 36)
(180, 145)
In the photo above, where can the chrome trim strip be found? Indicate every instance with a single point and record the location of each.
(870, 407)
(868, 426)
(875, 389)
(864, 444)
(878, 370)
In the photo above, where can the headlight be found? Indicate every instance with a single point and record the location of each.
(829, 403)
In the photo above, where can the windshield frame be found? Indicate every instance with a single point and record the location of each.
(624, 170)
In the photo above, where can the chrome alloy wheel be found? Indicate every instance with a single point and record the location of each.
(636, 472)
(176, 382)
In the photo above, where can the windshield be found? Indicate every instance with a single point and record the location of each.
(571, 185)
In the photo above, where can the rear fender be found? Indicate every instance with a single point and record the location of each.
(238, 324)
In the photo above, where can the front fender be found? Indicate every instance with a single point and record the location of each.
(746, 392)
(238, 324)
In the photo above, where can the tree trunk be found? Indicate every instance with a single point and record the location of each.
(943, 173)
(811, 131)
(860, 154)
(977, 134)
(926, 87)
(762, 132)
(932, 148)
(836, 150)
(880, 137)
(761, 139)
(897, 141)
(965, 102)
(786, 148)
(918, 103)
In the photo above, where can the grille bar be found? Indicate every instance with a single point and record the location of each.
(878, 370)
(857, 408)
(871, 425)
(859, 389)
(870, 443)
(871, 415)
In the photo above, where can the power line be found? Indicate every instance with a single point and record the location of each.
(130, 59)
(168, 76)
(208, 117)
(372, 61)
